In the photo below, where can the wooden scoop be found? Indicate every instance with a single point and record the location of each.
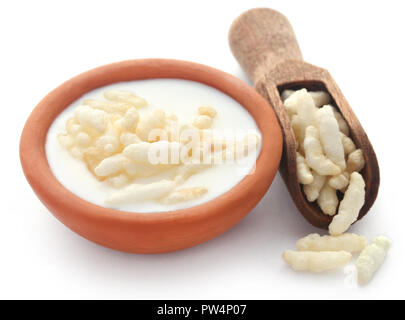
(263, 42)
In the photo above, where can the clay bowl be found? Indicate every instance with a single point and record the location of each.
(149, 232)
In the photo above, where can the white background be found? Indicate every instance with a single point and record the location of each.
(44, 43)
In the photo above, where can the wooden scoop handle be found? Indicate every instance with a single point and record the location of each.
(260, 39)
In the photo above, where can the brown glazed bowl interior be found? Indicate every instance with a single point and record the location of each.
(149, 232)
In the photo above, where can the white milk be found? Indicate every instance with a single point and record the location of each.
(181, 97)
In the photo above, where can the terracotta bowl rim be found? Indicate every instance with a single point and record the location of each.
(48, 188)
